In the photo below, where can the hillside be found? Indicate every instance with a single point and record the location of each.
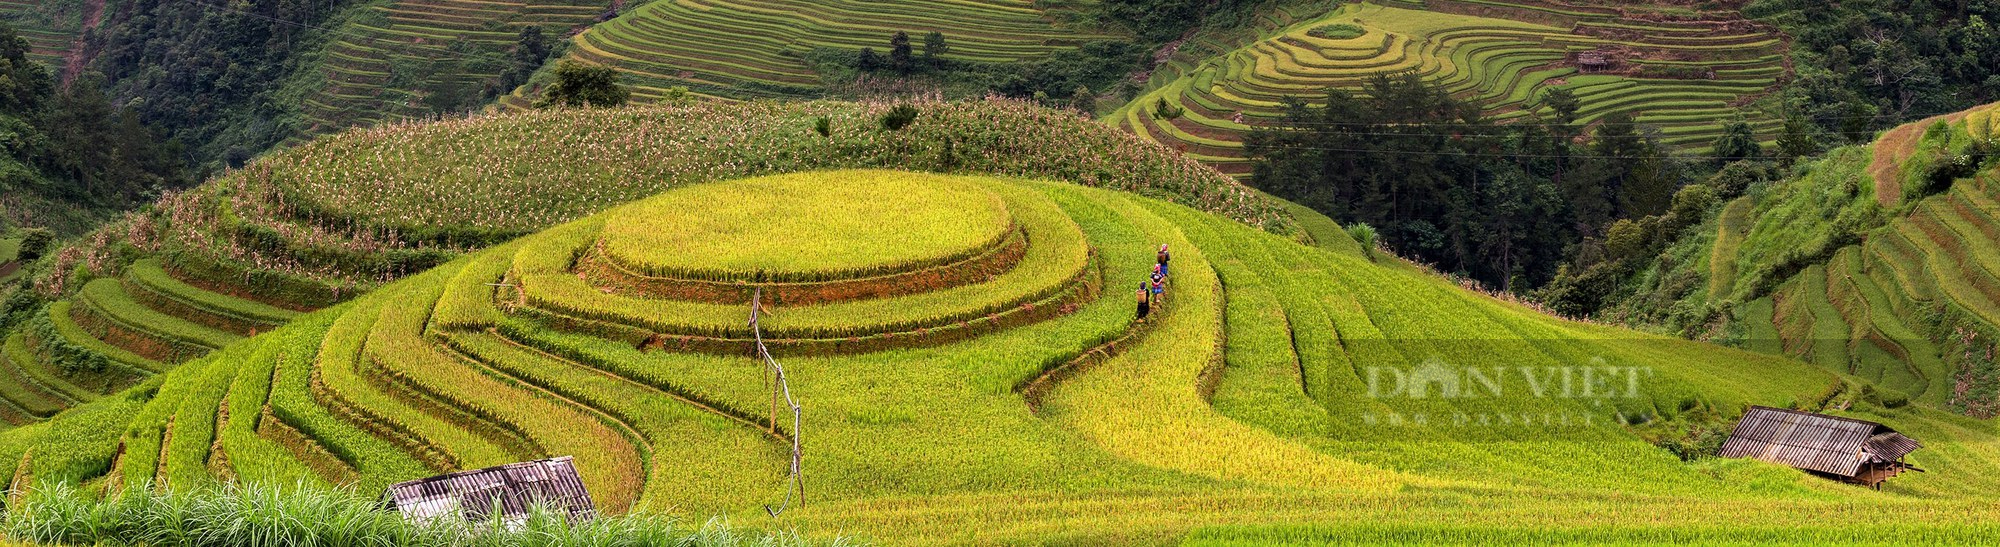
(321, 223)
(407, 59)
(745, 50)
(1686, 75)
(1875, 261)
(990, 365)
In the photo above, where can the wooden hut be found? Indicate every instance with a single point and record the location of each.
(512, 489)
(1593, 61)
(1856, 451)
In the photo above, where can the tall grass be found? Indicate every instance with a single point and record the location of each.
(254, 516)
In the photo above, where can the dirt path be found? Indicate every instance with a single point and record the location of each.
(75, 59)
(1891, 149)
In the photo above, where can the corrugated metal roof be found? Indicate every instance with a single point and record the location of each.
(1891, 446)
(1816, 442)
(514, 489)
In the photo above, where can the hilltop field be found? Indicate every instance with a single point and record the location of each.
(960, 334)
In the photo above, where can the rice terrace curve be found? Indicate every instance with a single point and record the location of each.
(623, 273)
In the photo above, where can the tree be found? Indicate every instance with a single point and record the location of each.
(583, 85)
(1165, 110)
(23, 82)
(935, 48)
(1796, 140)
(1084, 100)
(1449, 188)
(899, 53)
(1738, 142)
(1563, 103)
(868, 61)
(531, 49)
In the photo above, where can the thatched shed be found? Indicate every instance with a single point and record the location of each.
(1856, 451)
(512, 489)
(1593, 61)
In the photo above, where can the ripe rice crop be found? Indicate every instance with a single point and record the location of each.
(914, 222)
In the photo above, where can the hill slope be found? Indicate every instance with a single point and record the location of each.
(1874, 261)
(1686, 75)
(965, 376)
(318, 224)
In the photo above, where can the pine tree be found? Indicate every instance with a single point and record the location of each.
(899, 52)
(935, 48)
(1796, 140)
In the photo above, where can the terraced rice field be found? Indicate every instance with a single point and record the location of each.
(47, 44)
(116, 333)
(380, 66)
(1888, 308)
(1501, 55)
(251, 251)
(1864, 311)
(743, 50)
(1029, 396)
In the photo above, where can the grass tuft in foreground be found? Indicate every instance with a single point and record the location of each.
(251, 516)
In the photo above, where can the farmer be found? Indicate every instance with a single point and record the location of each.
(1159, 289)
(1164, 257)
(1145, 301)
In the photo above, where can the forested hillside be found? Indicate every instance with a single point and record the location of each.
(69, 159)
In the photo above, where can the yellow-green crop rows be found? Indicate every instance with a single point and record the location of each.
(1892, 306)
(1686, 78)
(252, 250)
(383, 63)
(741, 50)
(1024, 404)
(1241, 410)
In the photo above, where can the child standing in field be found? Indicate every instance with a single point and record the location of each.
(1145, 301)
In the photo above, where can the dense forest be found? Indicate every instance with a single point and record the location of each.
(1864, 65)
(68, 156)
(1505, 204)
(212, 75)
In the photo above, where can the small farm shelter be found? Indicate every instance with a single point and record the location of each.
(1593, 61)
(511, 489)
(1856, 451)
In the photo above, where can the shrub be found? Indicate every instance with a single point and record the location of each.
(34, 242)
(823, 125)
(1165, 110)
(1364, 235)
(899, 117)
(1337, 31)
